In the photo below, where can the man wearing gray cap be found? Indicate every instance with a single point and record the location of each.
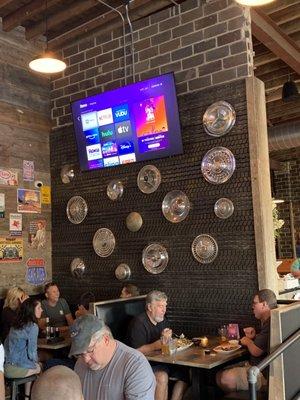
(107, 368)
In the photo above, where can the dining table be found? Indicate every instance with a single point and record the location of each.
(43, 343)
(200, 359)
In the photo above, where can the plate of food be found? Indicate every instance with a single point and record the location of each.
(183, 344)
(227, 348)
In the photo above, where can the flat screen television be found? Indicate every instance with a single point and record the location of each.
(118, 313)
(137, 122)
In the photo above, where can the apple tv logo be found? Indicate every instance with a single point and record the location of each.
(123, 129)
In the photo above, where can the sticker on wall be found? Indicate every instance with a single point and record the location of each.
(37, 234)
(29, 201)
(46, 194)
(11, 249)
(36, 271)
(2, 205)
(8, 177)
(28, 171)
(15, 224)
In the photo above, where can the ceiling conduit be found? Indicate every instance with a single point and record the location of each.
(284, 136)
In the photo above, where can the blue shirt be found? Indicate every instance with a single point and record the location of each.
(21, 346)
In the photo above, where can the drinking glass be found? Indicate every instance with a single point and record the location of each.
(173, 349)
(222, 331)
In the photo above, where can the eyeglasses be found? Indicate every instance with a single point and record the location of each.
(88, 352)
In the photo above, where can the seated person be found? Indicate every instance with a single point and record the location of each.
(144, 333)
(235, 378)
(84, 304)
(59, 383)
(2, 387)
(107, 368)
(20, 346)
(14, 298)
(295, 269)
(129, 290)
(56, 309)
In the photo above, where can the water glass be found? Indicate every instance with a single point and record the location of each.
(222, 331)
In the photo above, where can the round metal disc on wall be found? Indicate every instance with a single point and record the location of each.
(218, 165)
(67, 174)
(223, 208)
(175, 206)
(155, 258)
(134, 221)
(149, 179)
(219, 118)
(115, 190)
(77, 267)
(104, 242)
(76, 209)
(122, 272)
(205, 248)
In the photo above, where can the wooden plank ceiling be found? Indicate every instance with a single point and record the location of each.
(276, 35)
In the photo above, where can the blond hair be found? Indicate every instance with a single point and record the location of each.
(14, 297)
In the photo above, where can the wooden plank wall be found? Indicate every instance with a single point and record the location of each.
(24, 135)
(201, 297)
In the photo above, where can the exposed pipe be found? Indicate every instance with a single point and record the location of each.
(131, 41)
(284, 136)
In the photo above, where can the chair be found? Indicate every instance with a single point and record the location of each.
(14, 384)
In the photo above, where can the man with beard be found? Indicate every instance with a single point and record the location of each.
(144, 334)
(107, 368)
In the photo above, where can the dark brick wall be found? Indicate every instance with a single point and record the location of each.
(201, 297)
(207, 44)
(286, 186)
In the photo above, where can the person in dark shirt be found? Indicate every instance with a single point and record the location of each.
(144, 334)
(14, 298)
(234, 379)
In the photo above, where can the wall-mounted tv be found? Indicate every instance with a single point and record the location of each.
(137, 122)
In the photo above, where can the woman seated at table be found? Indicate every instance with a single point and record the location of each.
(14, 298)
(20, 346)
(56, 309)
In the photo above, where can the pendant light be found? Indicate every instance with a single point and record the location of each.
(253, 3)
(290, 91)
(47, 63)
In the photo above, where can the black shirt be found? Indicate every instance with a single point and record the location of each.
(261, 340)
(8, 317)
(142, 331)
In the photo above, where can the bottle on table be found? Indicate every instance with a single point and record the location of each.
(48, 328)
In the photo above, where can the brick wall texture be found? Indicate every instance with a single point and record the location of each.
(287, 187)
(204, 43)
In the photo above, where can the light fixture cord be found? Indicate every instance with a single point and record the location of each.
(124, 34)
(46, 24)
(131, 41)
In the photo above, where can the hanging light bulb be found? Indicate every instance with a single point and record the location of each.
(290, 91)
(253, 3)
(47, 63)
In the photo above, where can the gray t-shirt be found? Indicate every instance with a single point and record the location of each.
(57, 313)
(128, 376)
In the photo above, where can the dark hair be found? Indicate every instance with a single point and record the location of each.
(48, 285)
(269, 297)
(26, 313)
(85, 299)
(131, 289)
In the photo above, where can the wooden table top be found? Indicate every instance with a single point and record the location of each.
(42, 344)
(195, 356)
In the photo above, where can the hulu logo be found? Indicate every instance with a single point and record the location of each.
(107, 133)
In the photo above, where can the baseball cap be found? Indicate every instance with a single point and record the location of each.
(82, 331)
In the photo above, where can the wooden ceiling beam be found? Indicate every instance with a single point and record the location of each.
(289, 14)
(99, 24)
(278, 6)
(16, 18)
(59, 18)
(4, 3)
(266, 30)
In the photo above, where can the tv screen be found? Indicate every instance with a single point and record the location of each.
(118, 313)
(137, 122)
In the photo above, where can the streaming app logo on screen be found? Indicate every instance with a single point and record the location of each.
(121, 113)
(123, 129)
(92, 136)
(93, 152)
(107, 132)
(105, 117)
(89, 121)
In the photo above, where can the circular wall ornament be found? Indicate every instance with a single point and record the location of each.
(218, 165)
(67, 174)
(104, 242)
(122, 272)
(115, 190)
(155, 258)
(175, 206)
(219, 118)
(76, 209)
(224, 208)
(149, 179)
(204, 249)
(77, 267)
(134, 221)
